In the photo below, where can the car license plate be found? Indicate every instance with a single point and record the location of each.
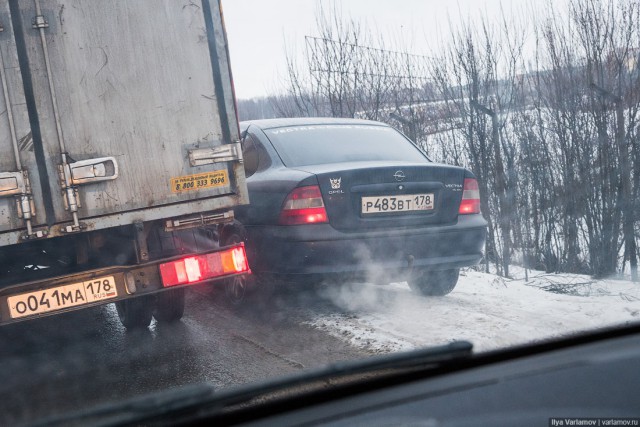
(402, 203)
(58, 298)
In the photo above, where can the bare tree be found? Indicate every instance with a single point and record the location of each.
(554, 137)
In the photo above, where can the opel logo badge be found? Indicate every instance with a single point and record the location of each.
(399, 176)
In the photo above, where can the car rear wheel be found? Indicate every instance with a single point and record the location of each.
(170, 306)
(236, 289)
(136, 313)
(434, 282)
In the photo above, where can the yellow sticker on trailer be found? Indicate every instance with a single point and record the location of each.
(199, 181)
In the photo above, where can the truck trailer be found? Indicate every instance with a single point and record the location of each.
(120, 162)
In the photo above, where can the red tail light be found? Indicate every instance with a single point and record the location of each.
(202, 267)
(470, 203)
(304, 205)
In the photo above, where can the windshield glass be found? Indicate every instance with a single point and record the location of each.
(228, 192)
(320, 144)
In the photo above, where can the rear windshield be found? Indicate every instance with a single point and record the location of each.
(319, 144)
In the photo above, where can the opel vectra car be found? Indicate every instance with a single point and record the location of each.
(356, 199)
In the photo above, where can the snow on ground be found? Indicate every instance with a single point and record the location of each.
(485, 309)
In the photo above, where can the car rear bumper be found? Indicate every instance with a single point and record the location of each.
(320, 249)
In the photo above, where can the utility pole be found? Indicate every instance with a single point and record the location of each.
(504, 218)
(625, 172)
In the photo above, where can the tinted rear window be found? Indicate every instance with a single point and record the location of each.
(319, 144)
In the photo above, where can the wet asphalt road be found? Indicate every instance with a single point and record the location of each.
(72, 361)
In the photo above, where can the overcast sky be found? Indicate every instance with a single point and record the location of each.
(259, 30)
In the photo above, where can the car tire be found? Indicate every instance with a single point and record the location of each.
(136, 313)
(169, 306)
(236, 288)
(434, 282)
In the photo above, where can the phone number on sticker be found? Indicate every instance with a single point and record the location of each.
(199, 181)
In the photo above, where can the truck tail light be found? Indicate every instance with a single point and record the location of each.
(304, 205)
(197, 268)
(470, 203)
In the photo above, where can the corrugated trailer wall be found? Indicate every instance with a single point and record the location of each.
(126, 100)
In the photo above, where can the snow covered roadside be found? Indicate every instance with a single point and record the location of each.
(485, 309)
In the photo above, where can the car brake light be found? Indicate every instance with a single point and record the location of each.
(470, 203)
(197, 268)
(304, 205)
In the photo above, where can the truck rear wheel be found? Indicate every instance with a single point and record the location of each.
(434, 283)
(170, 306)
(136, 313)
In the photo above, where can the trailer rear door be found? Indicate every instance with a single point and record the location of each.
(132, 109)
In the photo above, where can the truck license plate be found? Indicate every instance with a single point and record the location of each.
(58, 298)
(401, 203)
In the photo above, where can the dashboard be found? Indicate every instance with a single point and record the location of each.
(596, 383)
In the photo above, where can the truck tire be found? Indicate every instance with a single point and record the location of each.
(136, 313)
(169, 306)
(435, 283)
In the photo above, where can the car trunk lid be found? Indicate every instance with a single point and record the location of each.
(361, 195)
